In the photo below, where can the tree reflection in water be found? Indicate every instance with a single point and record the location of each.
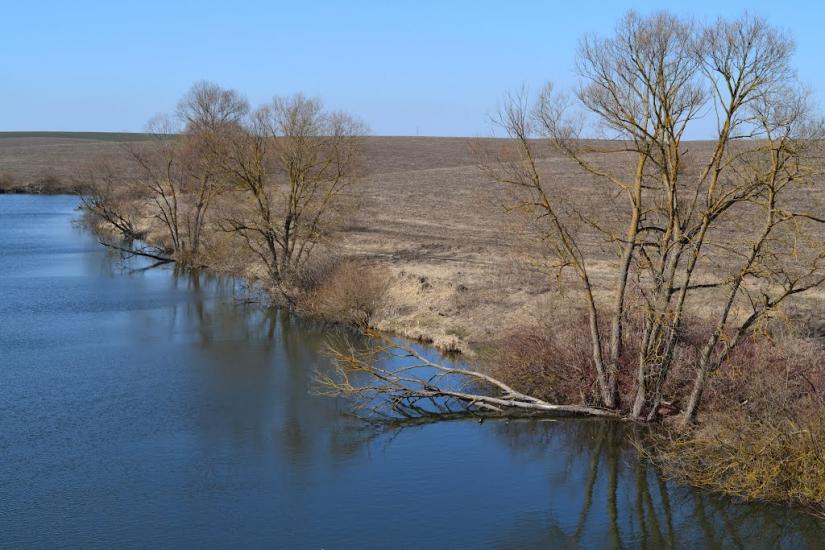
(627, 502)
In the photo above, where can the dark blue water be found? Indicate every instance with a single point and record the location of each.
(144, 408)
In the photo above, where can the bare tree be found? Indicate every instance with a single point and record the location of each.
(294, 160)
(105, 198)
(179, 169)
(207, 109)
(289, 163)
(785, 257)
(422, 388)
(210, 116)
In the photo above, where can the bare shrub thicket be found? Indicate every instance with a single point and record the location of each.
(347, 291)
(776, 461)
(552, 361)
(766, 437)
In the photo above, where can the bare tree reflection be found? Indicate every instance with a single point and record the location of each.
(627, 504)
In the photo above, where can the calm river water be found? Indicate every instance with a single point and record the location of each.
(142, 408)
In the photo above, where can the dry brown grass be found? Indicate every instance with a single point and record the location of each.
(774, 461)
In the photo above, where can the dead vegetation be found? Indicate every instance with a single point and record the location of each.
(343, 291)
(763, 437)
(421, 388)
(779, 461)
(277, 174)
(647, 85)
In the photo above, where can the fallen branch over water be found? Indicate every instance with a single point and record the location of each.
(422, 388)
(133, 252)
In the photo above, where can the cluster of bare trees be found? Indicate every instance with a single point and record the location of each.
(642, 90)
(647, 86)
(278, 171)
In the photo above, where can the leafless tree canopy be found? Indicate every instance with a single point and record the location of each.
(208, 108)
(647, 85)
(292, 160)
(285, 163)
(289, 163)
(642, 90)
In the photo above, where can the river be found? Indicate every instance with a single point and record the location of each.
(141, 407)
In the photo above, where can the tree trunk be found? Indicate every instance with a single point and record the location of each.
(692, 409)
(641, 393)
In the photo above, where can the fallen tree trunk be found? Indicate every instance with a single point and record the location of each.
(421, 388)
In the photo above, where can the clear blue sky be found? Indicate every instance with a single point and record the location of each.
(427, 67)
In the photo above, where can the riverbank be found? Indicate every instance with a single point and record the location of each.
(422, 213)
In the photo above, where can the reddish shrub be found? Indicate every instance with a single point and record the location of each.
(549, 362)
(554, 361)
(764, 378)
